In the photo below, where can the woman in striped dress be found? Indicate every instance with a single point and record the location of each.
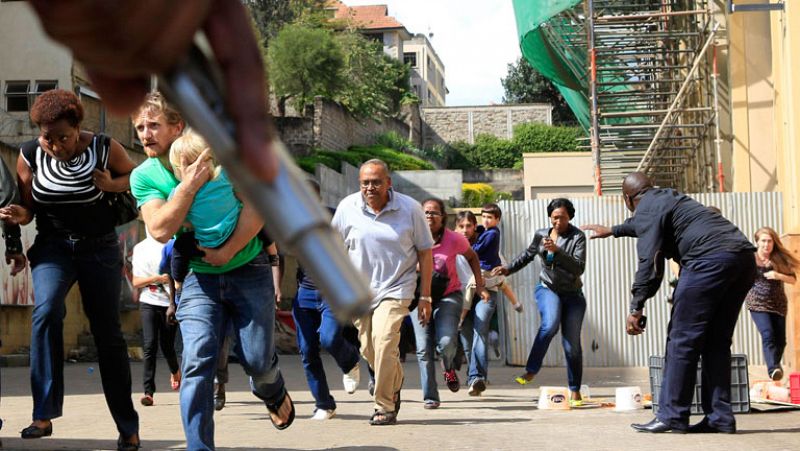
(64, 176)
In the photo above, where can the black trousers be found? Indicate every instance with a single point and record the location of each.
(707, 303)
(155, 331)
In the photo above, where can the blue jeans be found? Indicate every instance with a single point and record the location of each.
(772, 328)
(316, 326)
(440, 332)
(245, 297)
(96, 265)
(475, 335)
(565, 310)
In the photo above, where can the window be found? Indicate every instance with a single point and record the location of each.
(410, 58)
(17, 95)
(45, 85)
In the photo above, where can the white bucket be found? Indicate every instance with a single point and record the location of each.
(628, 398)
(555, 398)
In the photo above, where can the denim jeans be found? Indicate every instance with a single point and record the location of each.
(565, 310)
(96, 266)
(155, 331)
(772, 328)
(475, 336)
(316, 326)
(441, 333)
(245, 296)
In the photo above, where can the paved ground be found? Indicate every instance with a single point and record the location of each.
(502, 419)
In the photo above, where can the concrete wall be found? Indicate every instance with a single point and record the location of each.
(420, 185)
(335, 186)
(752, 102)
(448, 124)
(567, 174)
(502, 180)
(26, 54)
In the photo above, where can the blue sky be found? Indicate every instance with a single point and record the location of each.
(475, 39)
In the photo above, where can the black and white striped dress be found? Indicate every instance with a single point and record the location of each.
(66, 200)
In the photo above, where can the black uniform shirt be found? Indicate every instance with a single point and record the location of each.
(673, 225)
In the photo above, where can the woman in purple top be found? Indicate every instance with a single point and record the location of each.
(441, 332)
(767, 299)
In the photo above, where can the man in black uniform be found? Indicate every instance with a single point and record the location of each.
(717, 270)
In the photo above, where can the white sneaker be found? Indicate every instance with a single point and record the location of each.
(322, 414)
(351, 379)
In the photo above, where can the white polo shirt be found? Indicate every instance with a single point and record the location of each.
(384, 246)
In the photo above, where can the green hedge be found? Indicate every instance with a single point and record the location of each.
(491, 152)
(545, 138)
(397, 161)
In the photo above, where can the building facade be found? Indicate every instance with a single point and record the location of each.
(427, 71)
(427, 77)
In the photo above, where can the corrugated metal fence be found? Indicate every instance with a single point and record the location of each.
(610, 267)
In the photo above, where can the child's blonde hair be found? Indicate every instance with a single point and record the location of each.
(191, 145)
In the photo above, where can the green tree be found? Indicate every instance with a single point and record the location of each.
(374, 83)
(524, 84)
(270, 16)
(304, 63)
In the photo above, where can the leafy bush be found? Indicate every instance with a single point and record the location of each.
(474, 195)
(393, 140)
(544, 138)
(397, 161)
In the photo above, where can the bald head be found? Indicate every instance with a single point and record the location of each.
(635, 183)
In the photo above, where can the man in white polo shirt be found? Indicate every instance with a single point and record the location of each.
(386, 237)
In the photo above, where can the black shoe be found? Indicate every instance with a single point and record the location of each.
(371, 387)
(219, 397)
(124, 445)
(656, 427)
(704, 428)
(37, 432)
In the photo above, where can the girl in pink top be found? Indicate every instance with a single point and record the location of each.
(442, 331)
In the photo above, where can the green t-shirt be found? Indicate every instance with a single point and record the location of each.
(151, 180)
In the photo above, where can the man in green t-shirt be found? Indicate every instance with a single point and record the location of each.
(208, 301)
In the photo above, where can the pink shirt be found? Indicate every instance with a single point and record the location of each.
(444, 257)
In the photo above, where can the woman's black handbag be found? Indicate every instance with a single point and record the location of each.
(439, 283)
(122, 204)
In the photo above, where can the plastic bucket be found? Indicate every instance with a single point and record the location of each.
(553, 398)
(628, 398)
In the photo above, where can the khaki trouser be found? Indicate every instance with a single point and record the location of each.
(379, 333)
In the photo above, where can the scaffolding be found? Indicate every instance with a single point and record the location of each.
(647, 72)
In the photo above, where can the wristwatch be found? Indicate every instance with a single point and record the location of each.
(426, 299)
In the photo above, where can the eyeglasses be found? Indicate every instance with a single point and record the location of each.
(371, 183)
(432, 213)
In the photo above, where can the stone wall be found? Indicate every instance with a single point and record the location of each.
(297, 133)
(505, 180)
(442, 125)
(327, 125)
(336, 129)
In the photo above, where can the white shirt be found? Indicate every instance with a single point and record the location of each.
(145, 261)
